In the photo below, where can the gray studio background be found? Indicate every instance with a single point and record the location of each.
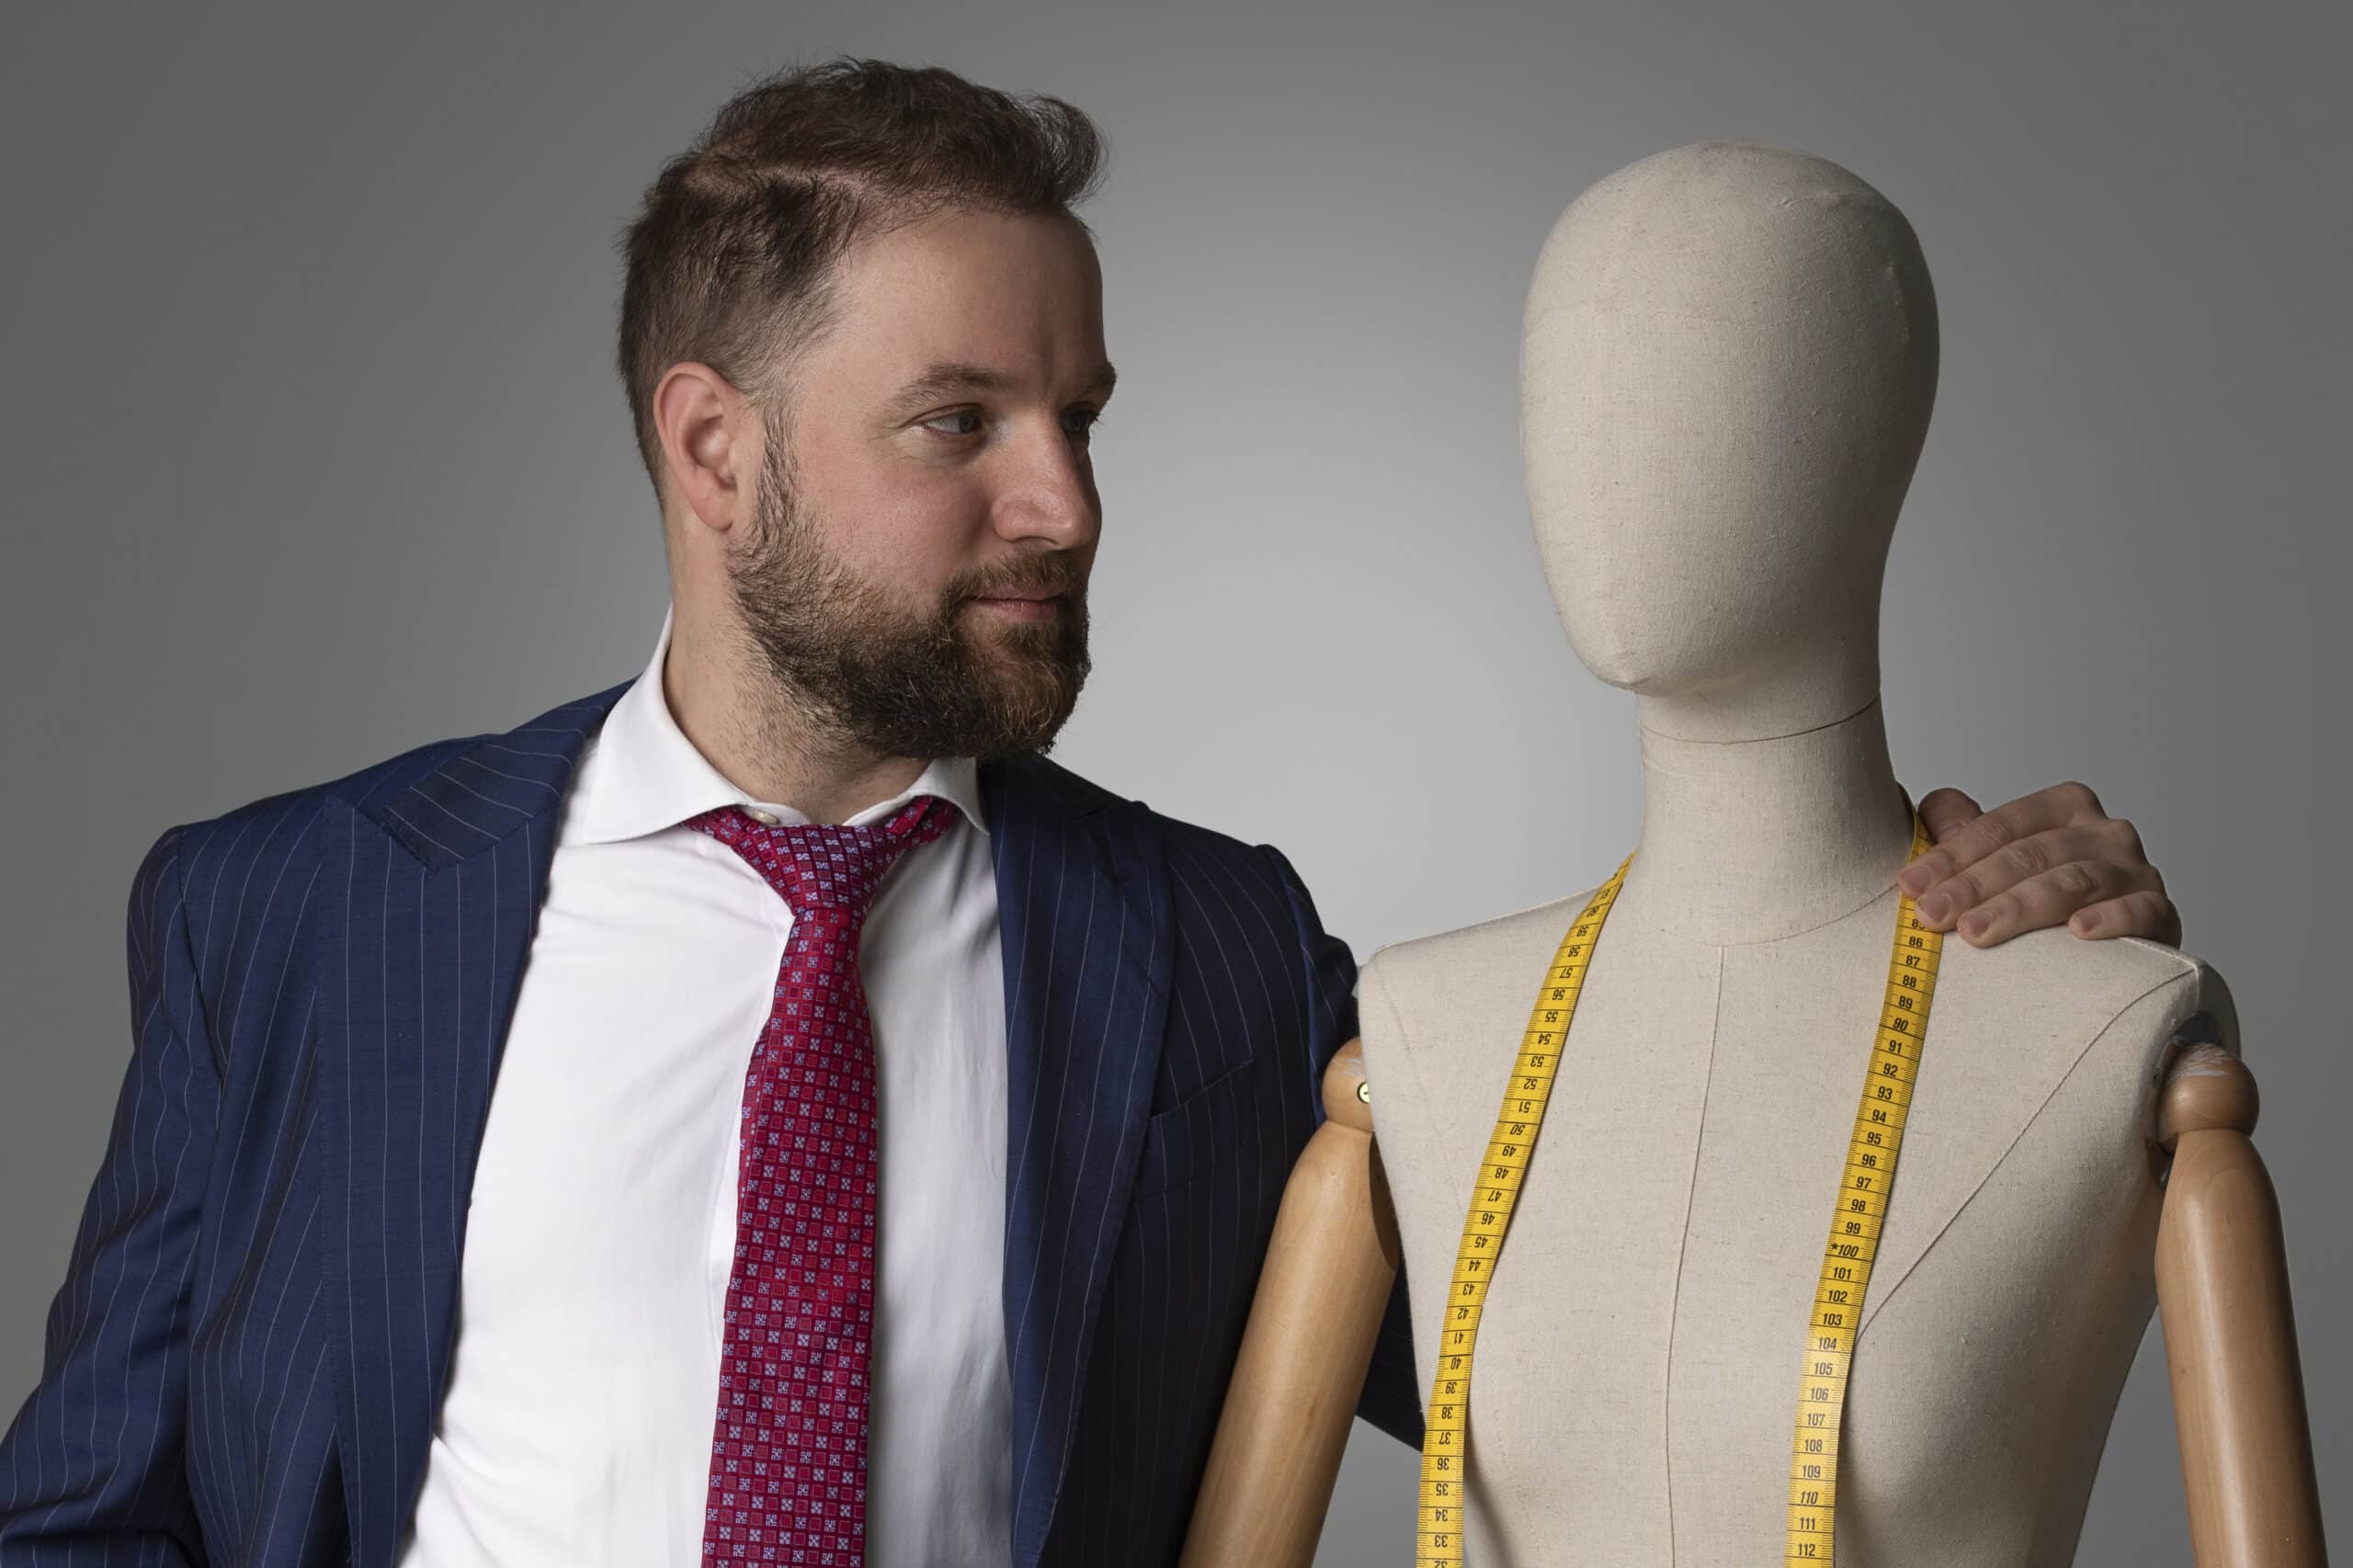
(314, 454)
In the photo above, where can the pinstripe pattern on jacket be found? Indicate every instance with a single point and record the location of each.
(244, 1361)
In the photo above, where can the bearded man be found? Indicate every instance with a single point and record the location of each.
(888, 1123)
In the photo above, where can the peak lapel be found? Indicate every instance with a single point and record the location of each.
(422, 963)
(1083, 910)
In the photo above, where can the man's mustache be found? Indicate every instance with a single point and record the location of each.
(1055, 574)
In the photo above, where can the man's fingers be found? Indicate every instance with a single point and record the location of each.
(2005, 868)
(2055, 806)
(2147, 912)
(1968, 844)
(2049, 898)
(1945, 811)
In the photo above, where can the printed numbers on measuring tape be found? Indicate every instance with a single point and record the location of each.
(1855, 1223)
(1445, 1417)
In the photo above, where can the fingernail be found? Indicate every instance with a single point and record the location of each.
(1973, 924)
(1936, 906)
(1913, 878)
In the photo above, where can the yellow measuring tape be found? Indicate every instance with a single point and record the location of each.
(1847, 1258)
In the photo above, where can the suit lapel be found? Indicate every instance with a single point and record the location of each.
(444, 877)
(1083, 915)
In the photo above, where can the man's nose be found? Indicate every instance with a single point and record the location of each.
(1052, 495)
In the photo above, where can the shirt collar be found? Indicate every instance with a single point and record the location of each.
(646, 774)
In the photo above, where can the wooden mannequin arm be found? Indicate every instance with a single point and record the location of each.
(1329, 1268)
(2238, 1392)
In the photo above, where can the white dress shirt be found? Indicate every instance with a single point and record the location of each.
(576, 1428)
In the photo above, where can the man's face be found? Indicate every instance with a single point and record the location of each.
(927, 517)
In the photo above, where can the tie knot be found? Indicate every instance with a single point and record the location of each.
(827, 866)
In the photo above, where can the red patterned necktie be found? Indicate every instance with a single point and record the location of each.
(788, 1450)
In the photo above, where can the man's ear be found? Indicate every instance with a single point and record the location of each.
(711, 438)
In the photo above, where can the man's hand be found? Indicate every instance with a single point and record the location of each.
(2044, 858)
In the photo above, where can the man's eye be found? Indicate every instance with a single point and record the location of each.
(1080, 421)
(973, 415)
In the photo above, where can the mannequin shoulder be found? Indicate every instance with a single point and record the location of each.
(1507, 951)
(1440, 1017)
(1463, 993)
(2126, 997)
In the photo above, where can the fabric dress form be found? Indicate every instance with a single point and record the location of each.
(1637, 1363)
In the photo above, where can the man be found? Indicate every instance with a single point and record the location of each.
(888, 1122)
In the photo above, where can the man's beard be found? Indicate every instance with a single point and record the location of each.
(859, 669)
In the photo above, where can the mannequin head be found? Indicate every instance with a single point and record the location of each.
(1727, 364)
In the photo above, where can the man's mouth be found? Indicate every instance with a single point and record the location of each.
(1032, 605)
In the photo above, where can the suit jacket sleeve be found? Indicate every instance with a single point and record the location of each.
(1391, 1398)
(94, 1467)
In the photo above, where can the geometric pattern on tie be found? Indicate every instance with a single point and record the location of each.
(788, 1450)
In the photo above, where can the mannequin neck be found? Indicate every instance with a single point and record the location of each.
(1755, 840)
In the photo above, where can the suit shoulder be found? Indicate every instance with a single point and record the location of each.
(1042, 775)
(273, 823)
(1213, 873)
(1083, 795)
(209, 844)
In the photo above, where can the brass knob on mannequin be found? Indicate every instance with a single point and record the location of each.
(1347, 1098)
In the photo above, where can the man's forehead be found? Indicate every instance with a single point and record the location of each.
(976, 300)
(958, 252)
(949, 378)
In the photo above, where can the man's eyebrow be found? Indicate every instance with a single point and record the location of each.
(946, 379)
(952, 376)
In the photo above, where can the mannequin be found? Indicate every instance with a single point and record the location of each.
(1728, 364)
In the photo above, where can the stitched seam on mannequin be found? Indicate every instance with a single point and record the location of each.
(1683, 1252)
(1762, 740)
(1369, 980)
(1371, 972)
(1872, 1311)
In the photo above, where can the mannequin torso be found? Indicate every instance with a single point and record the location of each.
(1638, 1359)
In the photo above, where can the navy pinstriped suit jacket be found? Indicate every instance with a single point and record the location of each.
(245, 1358)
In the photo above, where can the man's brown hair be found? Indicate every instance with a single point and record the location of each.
(732, 251)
